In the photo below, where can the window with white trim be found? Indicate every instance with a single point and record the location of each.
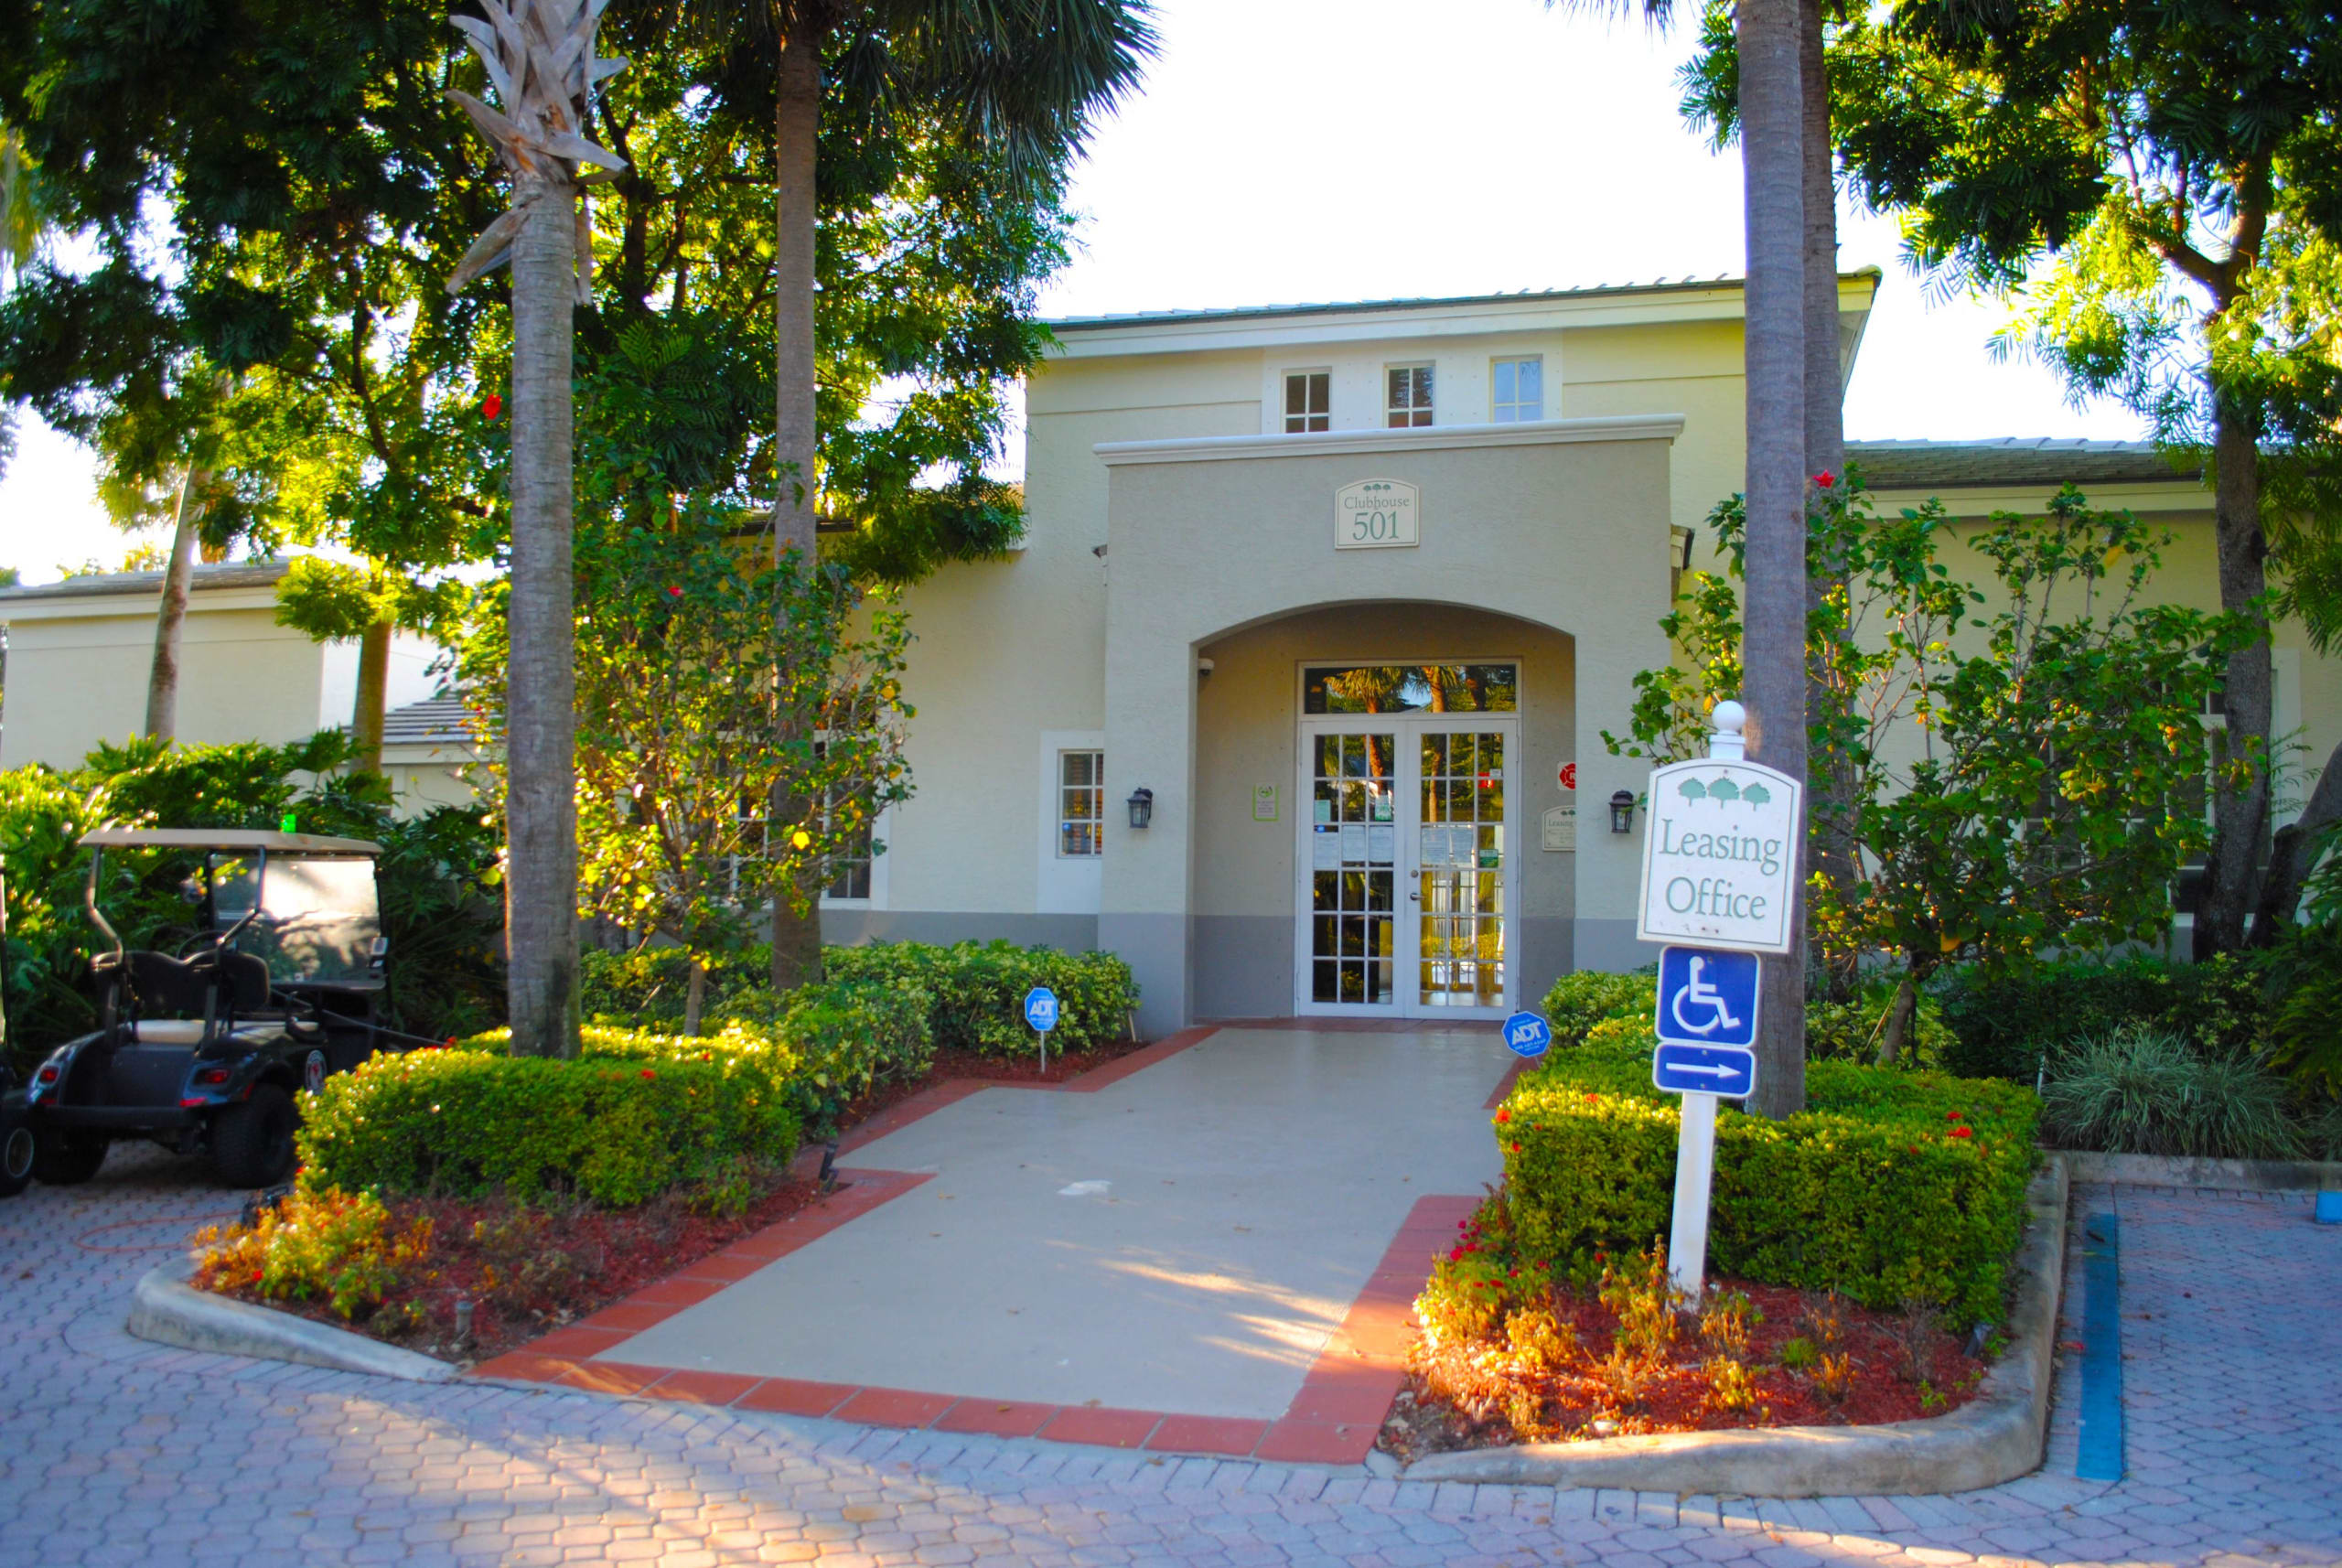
(1308, 401)
(1081, 803)
(1408, 399)
(1517, 390)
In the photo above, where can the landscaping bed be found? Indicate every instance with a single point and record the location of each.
(394, 1265)
(1608, 1355)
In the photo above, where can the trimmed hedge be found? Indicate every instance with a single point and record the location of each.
(1892, 1186)
(975, 991)
(630, 1118)
(979, 991)
(2006, 1024)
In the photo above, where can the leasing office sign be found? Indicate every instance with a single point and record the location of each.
(1720, 857)
(1377, 514)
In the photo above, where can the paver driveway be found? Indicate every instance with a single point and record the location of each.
(116, 1452)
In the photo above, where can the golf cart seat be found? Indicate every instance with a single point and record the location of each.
(166, 984)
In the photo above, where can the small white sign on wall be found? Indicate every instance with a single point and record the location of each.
(1378, 514)
(1560, 830)
(1265, 802)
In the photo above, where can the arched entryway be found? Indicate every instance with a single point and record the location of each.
(1384, 816)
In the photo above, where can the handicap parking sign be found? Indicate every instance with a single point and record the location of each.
(1707, 997)
(1041, 1008)
(1527, 1035)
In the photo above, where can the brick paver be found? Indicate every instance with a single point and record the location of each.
(113, 1451)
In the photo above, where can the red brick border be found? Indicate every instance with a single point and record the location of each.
(1334, 1419)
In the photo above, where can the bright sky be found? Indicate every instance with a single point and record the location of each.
(1295, 150)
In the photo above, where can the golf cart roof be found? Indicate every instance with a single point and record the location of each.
(226, 838)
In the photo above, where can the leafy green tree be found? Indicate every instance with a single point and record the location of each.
(1018, 82)
(2159, 181)
(2029, 760)
(686, 672)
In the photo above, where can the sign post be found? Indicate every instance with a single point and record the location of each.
(1720, 872)
(1041, 1013)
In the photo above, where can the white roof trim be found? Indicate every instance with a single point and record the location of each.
(1358, 443)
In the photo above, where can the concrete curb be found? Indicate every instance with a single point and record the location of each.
(168, 1311)
(1997, 1436)
(2234, 1175)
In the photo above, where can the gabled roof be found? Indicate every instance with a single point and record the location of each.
(2017, 460)
(228, 839)
(204, 577)
(1357, 306)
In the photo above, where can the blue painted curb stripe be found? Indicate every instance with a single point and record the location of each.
(2100, 1458)
(2329, 1208)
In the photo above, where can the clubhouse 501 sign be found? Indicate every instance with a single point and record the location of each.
(1720, 857)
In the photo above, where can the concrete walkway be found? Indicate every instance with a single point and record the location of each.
(1189, 1240)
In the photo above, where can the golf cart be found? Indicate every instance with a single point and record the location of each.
(202, 1049)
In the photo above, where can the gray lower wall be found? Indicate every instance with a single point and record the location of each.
(1547, 944)
(1611, 945)
(852, 928)
(1155, 946)
(1243, 966)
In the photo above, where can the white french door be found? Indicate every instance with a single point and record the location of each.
(1406, 866)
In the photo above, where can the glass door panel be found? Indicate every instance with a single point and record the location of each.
(1459, 874)
(1353, 865)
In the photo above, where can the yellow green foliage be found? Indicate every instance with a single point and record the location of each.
(317, 1244)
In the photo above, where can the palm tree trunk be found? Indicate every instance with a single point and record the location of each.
(163, 676)
(2240, 814)
(797, 123)
(1829, 847)
(540, 807)
(1773, 647)
(373, 686)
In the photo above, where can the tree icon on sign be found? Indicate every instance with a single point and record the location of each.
(1723, 789)
(1692, 790)
(1756, 795)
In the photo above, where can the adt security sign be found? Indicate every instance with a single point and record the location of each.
(1527, 1035)
(1041, 1009)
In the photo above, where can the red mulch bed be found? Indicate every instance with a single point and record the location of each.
(530, 1270)
(1465, 1395)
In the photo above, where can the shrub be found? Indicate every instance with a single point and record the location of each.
(845, 1037)
(315, 1243)
(1584, 999)
(2141, 1091)
(1893, 1185)
(1850, 1031)
(633, 1116)
(979, 991)
(975, 990)
(2005, 1024)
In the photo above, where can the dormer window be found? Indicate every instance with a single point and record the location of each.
(1516, 391)
(1308, 401)
(1408, 402)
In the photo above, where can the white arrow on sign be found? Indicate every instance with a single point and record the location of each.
(1710, 1072)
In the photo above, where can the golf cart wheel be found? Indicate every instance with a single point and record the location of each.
(19, 1149)
(65, 1157)
(252, 1144)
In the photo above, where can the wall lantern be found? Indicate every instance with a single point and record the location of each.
(1622, 812)
(1142, 804)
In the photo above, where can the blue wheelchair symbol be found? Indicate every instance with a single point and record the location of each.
(1707, 997)
(1527, 1035)
(1041, 1008)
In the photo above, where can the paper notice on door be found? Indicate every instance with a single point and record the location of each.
(1353, 843)
(1433, 844)
(1381, 843)
(1325, 849)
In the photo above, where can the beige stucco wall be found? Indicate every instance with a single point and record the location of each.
(1245, 893)
(1561, 525)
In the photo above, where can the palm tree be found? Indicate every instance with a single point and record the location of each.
(540, 59)
(1773, 651)
(1028, 76)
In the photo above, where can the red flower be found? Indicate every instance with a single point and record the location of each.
(491, 406)
(1455, 1255)
(1594, 1099)
(648, 1073)
(1516, 1148)
(1963, 1132)
(1824, 480)
(675, 593)
(1953, 1116)
(1504, 1115)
